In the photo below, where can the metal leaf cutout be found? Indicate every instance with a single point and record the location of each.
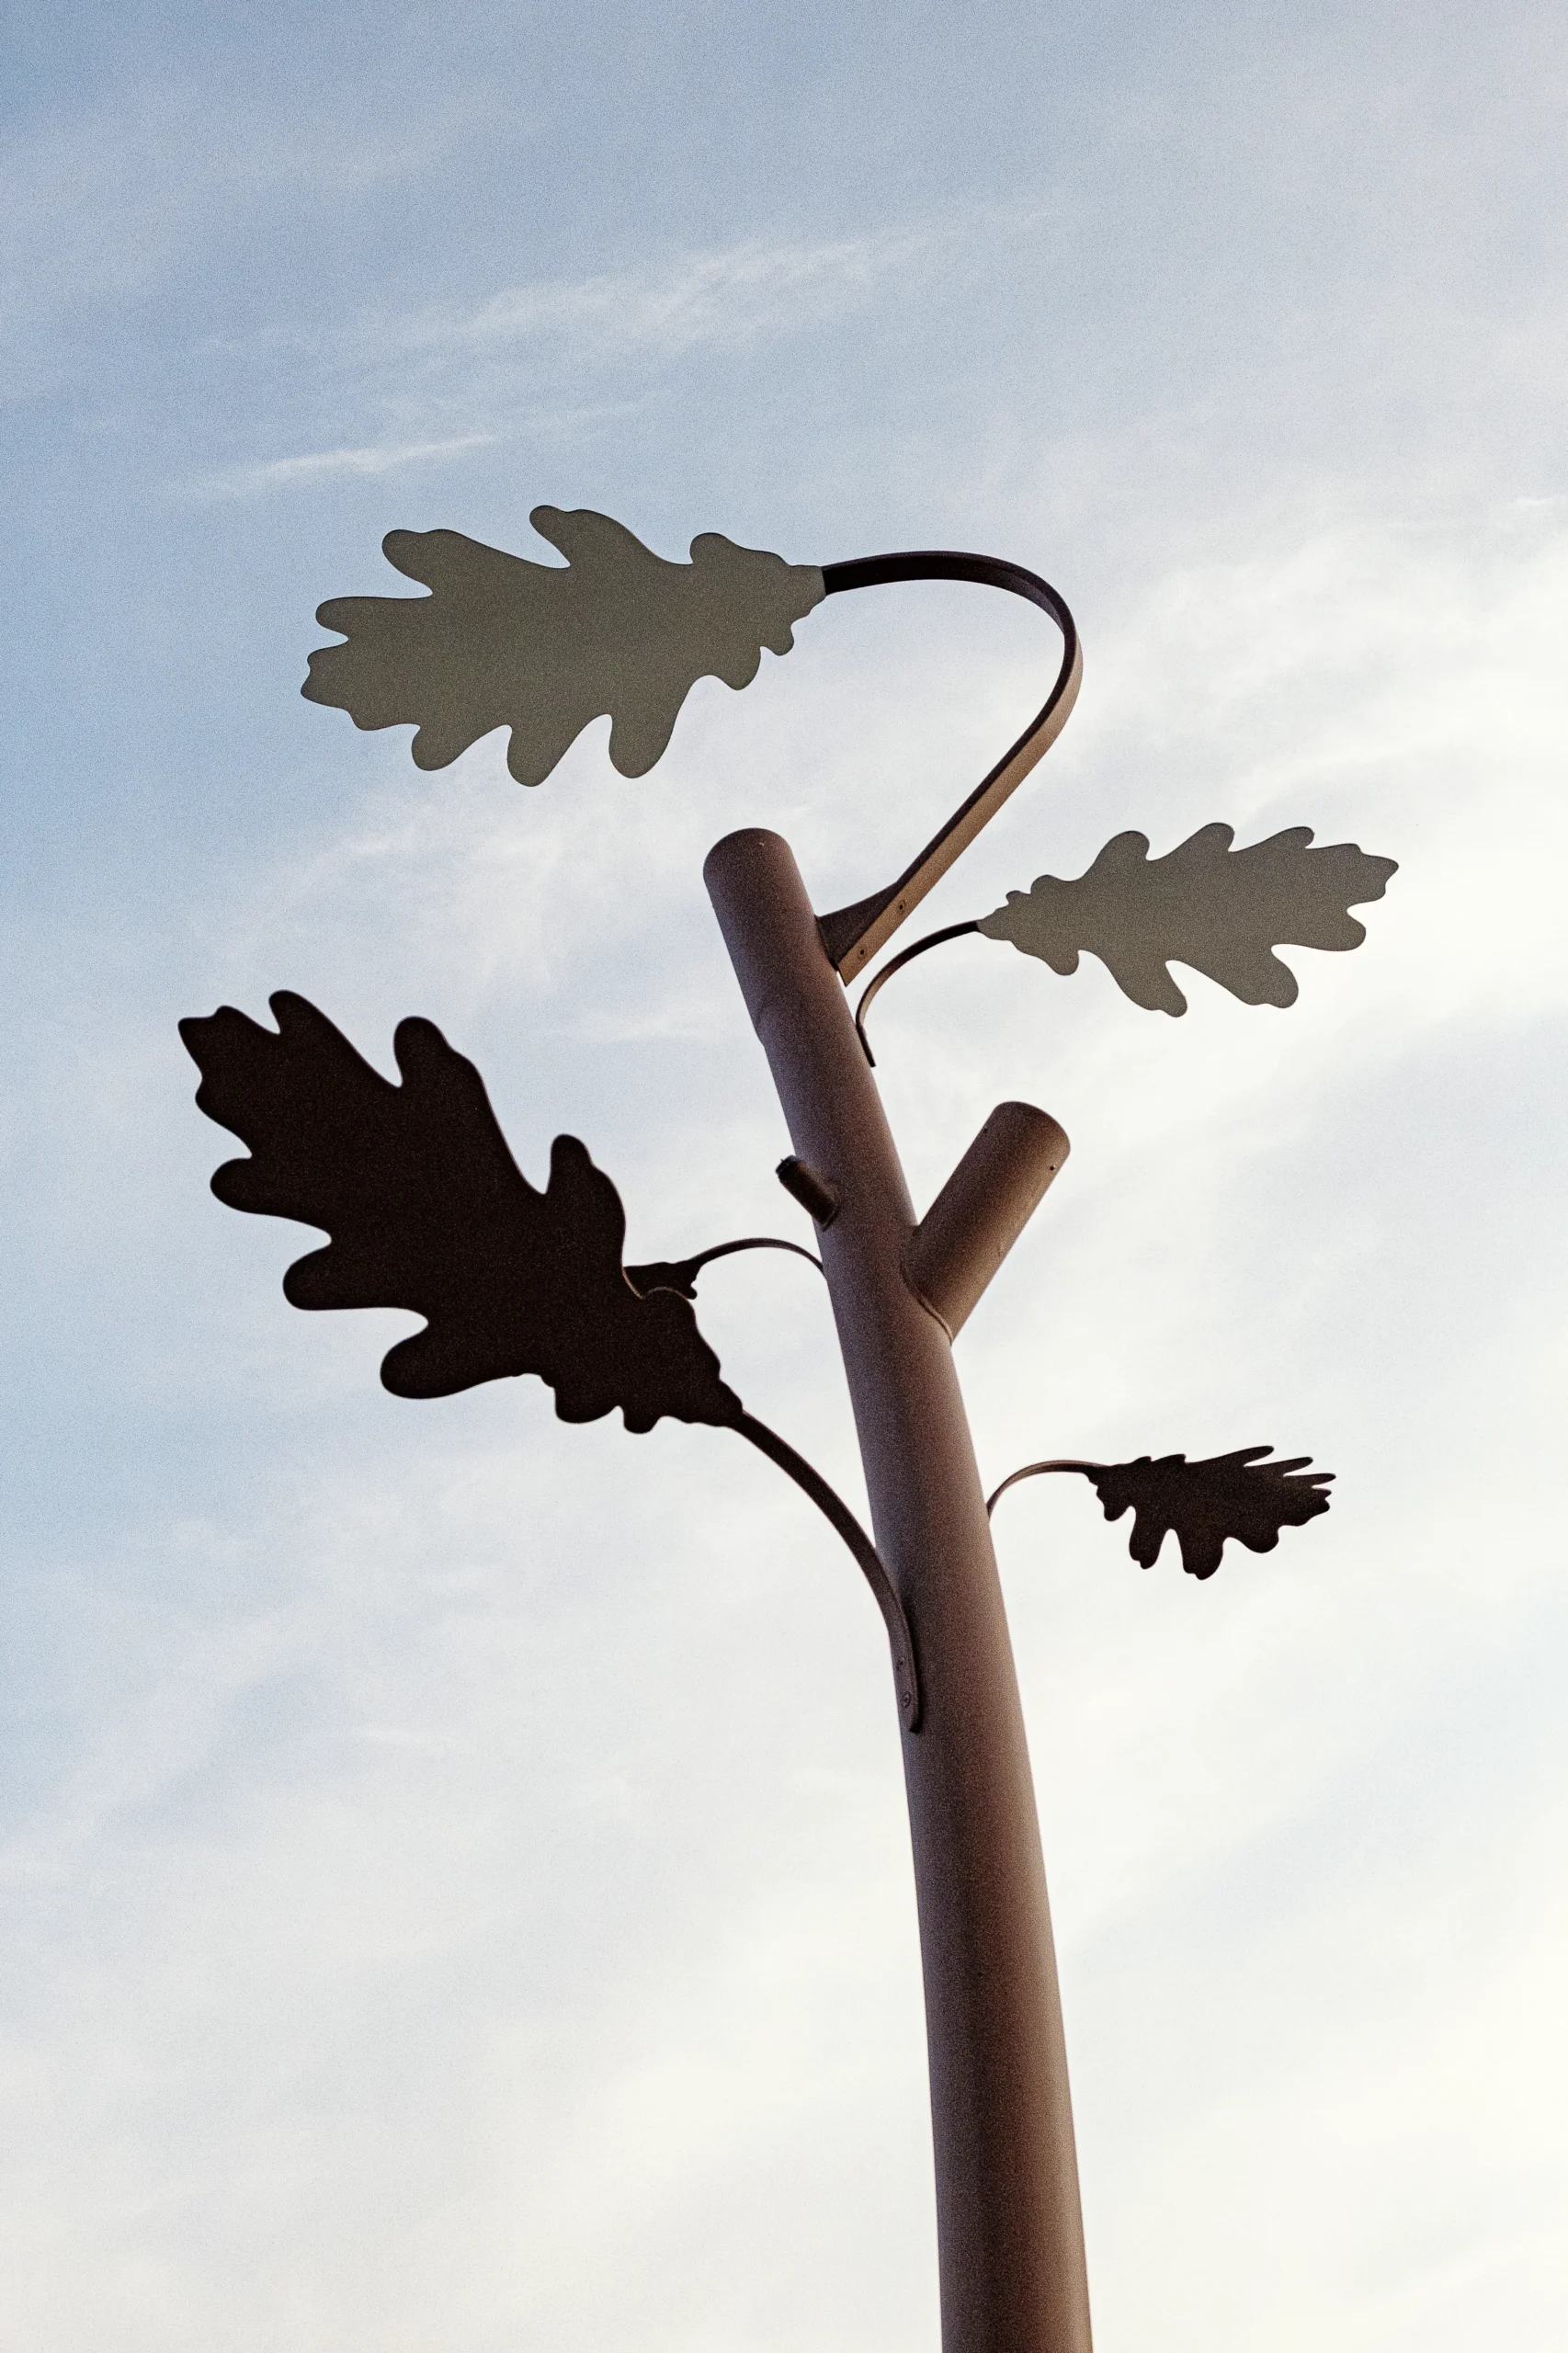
(427, 1210)
(545, 649)
(1220, 910)
(1227, 1498)
(1235, 1497)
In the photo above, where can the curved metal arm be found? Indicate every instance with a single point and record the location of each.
(1032, 1471)
(680, 1274)
(905, 1673)
(853, 935)
(896, 964)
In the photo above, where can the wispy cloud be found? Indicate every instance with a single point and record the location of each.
(553, 352)
(279, 473)
(737, 294)
(750, 290)
(507, 364)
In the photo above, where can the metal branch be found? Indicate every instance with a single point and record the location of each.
(905, 1673)
(1032, 1471)
(955, 1251)
(896, 963)
(680, 1274)
(852, 935)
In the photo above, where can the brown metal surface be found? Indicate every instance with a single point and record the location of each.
(853, 935)
(679, 1275)
(981, 1210)
(833, 1507)
(896, 964)
(810, 1187)
(1010, 2235)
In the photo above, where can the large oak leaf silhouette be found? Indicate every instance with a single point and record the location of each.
(545, 649)
(1220, 910)
(427, 1210)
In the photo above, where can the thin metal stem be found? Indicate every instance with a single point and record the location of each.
(894, 964)
(1032, 1471)
(905, 1673)
(680, 1274)
(754, 1241)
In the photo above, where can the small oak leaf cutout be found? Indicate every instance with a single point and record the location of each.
(1221, 911)
(1235, 1497)
(1228, 1498)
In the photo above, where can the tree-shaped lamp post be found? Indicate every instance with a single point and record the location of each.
(426, 1208)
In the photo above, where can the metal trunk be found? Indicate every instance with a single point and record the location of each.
(1010, 2233)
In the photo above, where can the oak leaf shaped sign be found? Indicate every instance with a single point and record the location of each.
(1226, 1499)
(1221, 911)
(427, 1210)
(545, 649)
(1237, 1498)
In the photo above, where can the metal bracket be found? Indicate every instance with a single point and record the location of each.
(853, 935)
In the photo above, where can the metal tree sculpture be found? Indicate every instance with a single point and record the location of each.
(426, 1208)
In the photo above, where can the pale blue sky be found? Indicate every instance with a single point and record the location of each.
(455, 1887)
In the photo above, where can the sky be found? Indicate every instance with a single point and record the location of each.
(455, 1876)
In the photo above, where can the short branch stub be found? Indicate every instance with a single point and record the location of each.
(981, 1210)
(803, 1184)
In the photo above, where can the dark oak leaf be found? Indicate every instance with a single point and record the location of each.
(427, 1209)
(1220, 910)
(1230, 1497)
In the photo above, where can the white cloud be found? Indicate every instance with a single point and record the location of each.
(572, 1884)
(548, 350)
(457, 1883)
(282, 473)
(522, 362)
(736, 294)
(480, 1870)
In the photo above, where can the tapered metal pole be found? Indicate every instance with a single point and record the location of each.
(1009, 2229)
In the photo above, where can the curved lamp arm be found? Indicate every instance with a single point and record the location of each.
(853, 935)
